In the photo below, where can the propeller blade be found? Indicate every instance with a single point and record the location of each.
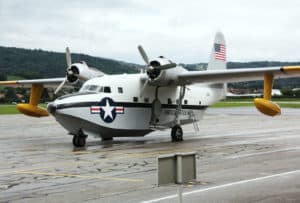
(143, 54)
(68, 57)
(143, 88)
(167, 66)
(60, 86)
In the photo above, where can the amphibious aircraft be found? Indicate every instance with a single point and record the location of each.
(164, 96)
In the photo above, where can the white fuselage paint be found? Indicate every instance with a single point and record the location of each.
(133, 118)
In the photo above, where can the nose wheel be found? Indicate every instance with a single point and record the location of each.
(79, 140)
(177, 134)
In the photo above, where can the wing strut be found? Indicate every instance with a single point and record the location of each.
(32, 109)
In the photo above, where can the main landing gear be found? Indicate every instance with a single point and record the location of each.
(79, 140)
(177, 134)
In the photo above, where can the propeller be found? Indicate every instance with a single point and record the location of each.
(143, 54)
(152, 69)
(69, 71)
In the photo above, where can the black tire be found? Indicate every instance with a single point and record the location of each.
(177, 134)
(79, 141)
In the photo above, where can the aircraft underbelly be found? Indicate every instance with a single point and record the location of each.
(128, 122)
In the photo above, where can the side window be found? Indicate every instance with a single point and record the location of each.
(146, 100)
(135, 99)
(169, 101)
(107, 89)
(120, 90)
(185, 101)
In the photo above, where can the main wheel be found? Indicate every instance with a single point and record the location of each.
(79, 141)
(177, 133)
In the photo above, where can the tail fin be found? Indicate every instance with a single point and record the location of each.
(218, 55)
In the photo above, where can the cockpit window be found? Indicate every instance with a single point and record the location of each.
(84, 88)
(95, 88)
(101, 89)
(89, 88)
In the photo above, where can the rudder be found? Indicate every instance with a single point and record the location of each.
(218, 54)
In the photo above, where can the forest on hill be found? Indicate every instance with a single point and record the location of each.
(37, 63)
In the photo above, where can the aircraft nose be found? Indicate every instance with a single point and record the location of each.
(51, 107)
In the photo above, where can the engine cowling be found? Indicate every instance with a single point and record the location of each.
(159, 74)
(81, 71)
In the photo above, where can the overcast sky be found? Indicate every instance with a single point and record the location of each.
(181, 30)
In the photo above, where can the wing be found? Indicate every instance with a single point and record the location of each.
(47, 83)
(264, 104)
(37, 86)
(237, 75)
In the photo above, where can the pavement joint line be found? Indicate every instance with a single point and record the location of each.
(295, 149)
(223, 186)
(148, 154)
(78, 176)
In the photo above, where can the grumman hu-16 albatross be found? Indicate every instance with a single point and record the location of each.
(166, 96)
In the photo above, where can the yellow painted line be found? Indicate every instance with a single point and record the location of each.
(291, 69)
(78, 176)
(13, 171)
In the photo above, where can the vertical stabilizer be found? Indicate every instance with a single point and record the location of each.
(218, 54)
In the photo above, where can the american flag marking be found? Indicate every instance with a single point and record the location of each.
(220, 52)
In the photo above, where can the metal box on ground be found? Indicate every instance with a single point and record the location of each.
(176, 168)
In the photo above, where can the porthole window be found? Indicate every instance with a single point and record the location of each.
(120, 90)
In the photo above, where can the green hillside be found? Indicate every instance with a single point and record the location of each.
(27, 63)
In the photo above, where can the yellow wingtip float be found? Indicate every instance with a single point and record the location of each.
(264, 105)
(32, 109)
(267, 107)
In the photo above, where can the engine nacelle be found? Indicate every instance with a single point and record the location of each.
(81, 71)
(164, 77)
(159, 76)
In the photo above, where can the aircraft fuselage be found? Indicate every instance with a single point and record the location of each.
(117, 105)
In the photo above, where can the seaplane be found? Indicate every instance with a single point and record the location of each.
(164, 96)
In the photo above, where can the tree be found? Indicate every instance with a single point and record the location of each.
(10, 94)
(3, 77)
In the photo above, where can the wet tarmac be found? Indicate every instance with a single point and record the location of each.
(243, 156)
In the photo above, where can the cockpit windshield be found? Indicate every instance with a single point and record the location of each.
(95, 88)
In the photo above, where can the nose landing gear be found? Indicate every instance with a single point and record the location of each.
(79, 140)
